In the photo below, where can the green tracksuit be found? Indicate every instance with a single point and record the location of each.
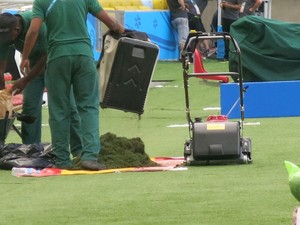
(70, 63)
(33, 93)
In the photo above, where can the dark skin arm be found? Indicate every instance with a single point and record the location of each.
(36, 70)
(31, 37)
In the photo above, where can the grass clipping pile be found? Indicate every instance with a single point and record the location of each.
(121, 152)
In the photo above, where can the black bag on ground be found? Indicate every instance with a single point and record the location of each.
(30, 156)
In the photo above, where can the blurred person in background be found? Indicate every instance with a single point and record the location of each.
(179, 21)
(195, 23)
(230, 14)
(202, 4)
(249, 7)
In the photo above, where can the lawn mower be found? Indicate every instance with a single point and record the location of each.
(215, 140)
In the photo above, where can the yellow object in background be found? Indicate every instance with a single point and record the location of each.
(126, 3)
(108, 8)
(132, 7)
(135, 2)
(143, 7)
(104, 3)
(160, 4)
(120, 7)
(116, 3)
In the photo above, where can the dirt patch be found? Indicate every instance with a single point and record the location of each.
(122, 152)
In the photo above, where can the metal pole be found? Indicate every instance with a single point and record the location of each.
(219, 13)
(220, 42)
(269, 9)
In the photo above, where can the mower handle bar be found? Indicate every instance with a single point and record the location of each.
(185, 64)
(209, 36)
(213, 74)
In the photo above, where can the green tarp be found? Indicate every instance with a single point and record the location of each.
(270, 49)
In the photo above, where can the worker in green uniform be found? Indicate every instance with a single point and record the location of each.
(70, 63)
(13, 29)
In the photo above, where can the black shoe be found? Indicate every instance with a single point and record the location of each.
(92, 165)
(76, 163)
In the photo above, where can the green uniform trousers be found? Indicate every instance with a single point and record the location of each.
(32, 106)
(80, 73)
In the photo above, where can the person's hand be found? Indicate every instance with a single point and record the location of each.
(118, 28)
(223, 4)
(25, 66)
(19, 85)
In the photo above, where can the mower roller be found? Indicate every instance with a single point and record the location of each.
(216, 140)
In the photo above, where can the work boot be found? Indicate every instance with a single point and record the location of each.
(92, 165)
(76, 163)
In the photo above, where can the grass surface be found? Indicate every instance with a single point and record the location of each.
(255, 194)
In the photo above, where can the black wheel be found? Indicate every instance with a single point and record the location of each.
(187, 149)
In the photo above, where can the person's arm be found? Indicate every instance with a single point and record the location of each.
(225, 4)
(182, 4)
(36, 70)
(31, 37)
(110, 22)
(2, 69)
(255, 6)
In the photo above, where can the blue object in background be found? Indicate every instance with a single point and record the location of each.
(220, 45)
(262, 99)
(157, 25)
(11, 11)
(92, 25)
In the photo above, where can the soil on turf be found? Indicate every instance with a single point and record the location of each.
(122, 152)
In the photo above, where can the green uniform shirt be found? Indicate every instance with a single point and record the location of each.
(40, 47)
(66, 25)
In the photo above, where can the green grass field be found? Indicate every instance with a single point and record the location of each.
(254, 194)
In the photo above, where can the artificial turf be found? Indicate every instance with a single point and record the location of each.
(254, 194)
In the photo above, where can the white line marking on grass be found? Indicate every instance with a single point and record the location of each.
(166, 86)
(178, 125)
(18, 125)
(172, 86)
(252, 123)
(158, 86)
(179, 169)
(211, 108)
